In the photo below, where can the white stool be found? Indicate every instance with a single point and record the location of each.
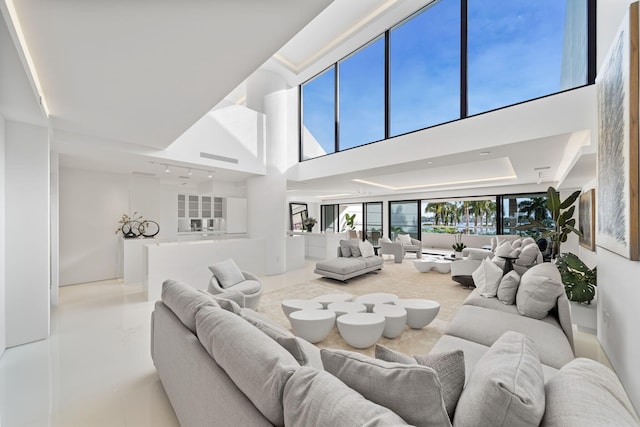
(425, 264)
(361, 330)
(312, 325)
(378, 298)
(291, 305)
(395, 317)
(346, 307)
(420, 312)
(325, 300)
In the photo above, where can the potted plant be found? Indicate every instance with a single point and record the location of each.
(580, 283)
(309, 222)
(562, 221)
(458, 246)
(349, 221)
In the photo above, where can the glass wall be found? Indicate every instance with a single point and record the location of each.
(448, 62)
(472, 216)
(373, 221)
(517, 209)
(318, 115)
(329, 219)
(424, 69)
(361, 83)
(404, 218)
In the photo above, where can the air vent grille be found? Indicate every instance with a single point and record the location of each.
(220, 158)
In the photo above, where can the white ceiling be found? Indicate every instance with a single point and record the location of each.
(135, 75)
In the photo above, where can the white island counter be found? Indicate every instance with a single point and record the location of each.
(320, 245)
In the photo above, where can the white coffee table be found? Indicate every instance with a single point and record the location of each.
(361, 330)
(420, 312)
(426, 264)
(395, 319)
(377, 298)
(341, 308)
(312, 325)
(325, 300)
(291, 305)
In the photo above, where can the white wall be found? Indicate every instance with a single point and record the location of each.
(27, 233)
(91, 203)
(3, 335)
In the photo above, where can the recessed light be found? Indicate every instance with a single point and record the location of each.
(429, 163)
(189, 172)
(485, 153)
(166, 169)
(210, 175)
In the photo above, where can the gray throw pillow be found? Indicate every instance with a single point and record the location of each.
(227, 273)
(505, 388)
(354, 244)
(227, 300)
(508, 288)
(539, 289)
(345, 248)
(317, 398)
(411, 391)
(448, 365)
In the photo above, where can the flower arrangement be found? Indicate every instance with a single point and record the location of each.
(310, 221)
(127, 225)
(458, 246)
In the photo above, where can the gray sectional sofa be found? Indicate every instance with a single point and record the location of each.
(345, 267)
(224, 365)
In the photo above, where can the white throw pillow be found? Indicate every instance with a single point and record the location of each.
(539, 289)
(508, 288)
(516, 243)
(487, 278)
(528, 255)
(504, 249)
(227, 273)
(366, 249)
(405, 239)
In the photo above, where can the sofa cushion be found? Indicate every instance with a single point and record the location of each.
(354, 245)
(366, 249)
(487, 278)
(411, 391)
(185, 301)
(506, 387)
(405, 239)
(508, 288)
(230, 300)
(317, 398)
(373, 261)
(257, 364)
(478, 254)
(539, 290)
(448, 365)
(248, 287)
(341, 265)
(528, 255)
(586, 393)
(227, 273)
(484, 326)
(474, 298)
(345, 248)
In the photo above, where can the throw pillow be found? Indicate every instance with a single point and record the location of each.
(505, 388)
(227, 273)
(527, 241)
(504, 249)
(508, 287)
(366, 249)
(528, 255)
(405, 239)
(448, 365)
(185, 301)
(539, 289)
(226, 300)
(487, 278)
(411, 391)
(354, 245)
(345, 248)
(517, 243)
(587, 393)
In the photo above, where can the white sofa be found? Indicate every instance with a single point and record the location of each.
(346, 266)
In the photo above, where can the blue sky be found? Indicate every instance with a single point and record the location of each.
(514, 54)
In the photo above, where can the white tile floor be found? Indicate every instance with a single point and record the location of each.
(96, 369)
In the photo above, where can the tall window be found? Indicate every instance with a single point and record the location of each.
(472, 216)
(373, 221)
(519, 50)
(329, 218)
(361, 112)
(424, 69)
(404, 218)
(518, 208)
(318, 115)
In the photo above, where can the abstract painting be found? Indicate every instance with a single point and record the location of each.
(617, 87)
(586, 219)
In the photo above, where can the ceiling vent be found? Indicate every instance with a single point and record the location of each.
(220, 158)
(184, 177)
(143, 173)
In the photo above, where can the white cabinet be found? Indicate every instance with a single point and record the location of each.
(182, 211)
(206, 206)
(194, 206)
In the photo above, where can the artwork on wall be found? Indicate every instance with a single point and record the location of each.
(617, 86)
(586, 219)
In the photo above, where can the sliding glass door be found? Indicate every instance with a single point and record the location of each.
(373, 221)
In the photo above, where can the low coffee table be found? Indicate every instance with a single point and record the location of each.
(420, 312)
(312, 325)
(291, 305)
(341, 308)
(361, 330)
(325, 300)
(377, 298)
(395, 319)
(426, 264)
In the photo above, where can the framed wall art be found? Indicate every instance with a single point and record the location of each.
(617, 86)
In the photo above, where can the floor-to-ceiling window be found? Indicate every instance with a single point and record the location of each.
(373, 221)
(404, 218)
(329, 218)
(448, 61)
(516, 209)
(475, 215)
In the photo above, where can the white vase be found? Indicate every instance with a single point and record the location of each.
(458, 254)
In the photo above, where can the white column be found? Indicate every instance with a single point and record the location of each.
(3, 239)
(27, 233)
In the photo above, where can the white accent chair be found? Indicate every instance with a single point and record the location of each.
(226, 277)
(387, 247)
(410, 244)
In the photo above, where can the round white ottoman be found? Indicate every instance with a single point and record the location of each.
(378, 298)
(291, 305)
(443, 265)
(346, 307)
(325, 300)
(395, 317)
(312, 325)
(361, 330)
(420, 312)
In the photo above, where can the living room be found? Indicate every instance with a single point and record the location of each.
(59, 179)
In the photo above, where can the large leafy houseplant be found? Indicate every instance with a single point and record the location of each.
(579, 280)
(562, 221)
(349, 221)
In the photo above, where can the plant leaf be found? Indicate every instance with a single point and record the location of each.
(553, 202)
(570, 200)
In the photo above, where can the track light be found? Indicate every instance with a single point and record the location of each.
(166, 169)
(539, 181)
(189, 172)
(210, 175)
